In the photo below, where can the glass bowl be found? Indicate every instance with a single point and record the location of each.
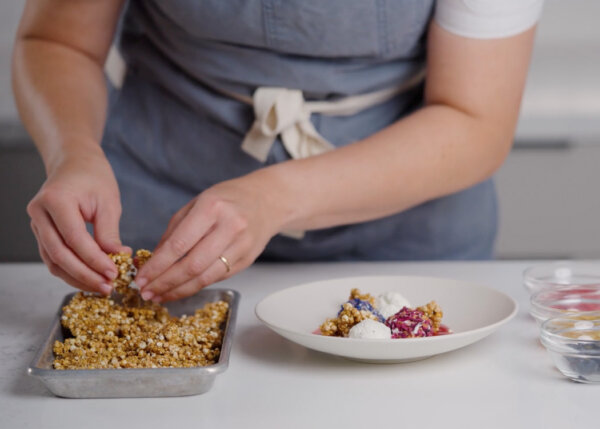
(559, 274)
(574, 344)
(563, 301)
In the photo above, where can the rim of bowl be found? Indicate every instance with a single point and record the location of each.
(555, 340)
(542, 310)
(575, 266)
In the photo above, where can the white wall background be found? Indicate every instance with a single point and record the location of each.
(549, 185)
(10, 12)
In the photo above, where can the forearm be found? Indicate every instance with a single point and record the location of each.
(61, 96)
(436, 151)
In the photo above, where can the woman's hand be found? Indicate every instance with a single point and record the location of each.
(80, 188)
(233, 219)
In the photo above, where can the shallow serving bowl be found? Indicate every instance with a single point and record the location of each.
(137, 382)
(574, 344)
(471, 311)
(560, 274)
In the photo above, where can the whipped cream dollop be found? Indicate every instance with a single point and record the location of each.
(389, 303)
(371, 329)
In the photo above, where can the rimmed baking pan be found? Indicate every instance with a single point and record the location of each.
(137, 382)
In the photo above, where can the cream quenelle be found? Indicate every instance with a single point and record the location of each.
(370, 329)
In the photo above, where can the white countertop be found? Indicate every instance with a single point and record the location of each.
(505, 381)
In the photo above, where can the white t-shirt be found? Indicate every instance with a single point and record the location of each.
(487, 19)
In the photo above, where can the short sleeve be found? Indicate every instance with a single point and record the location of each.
(487, 19)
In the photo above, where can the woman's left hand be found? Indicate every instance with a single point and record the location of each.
(233, 220)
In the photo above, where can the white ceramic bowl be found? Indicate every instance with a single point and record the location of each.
(471, 311)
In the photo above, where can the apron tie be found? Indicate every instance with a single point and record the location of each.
(282, 111)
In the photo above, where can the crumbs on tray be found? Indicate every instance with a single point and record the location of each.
(107, 334)
(388, 316)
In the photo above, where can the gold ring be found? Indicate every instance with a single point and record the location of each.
(226, 262)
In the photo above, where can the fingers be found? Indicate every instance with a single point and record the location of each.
(195, 264)
(217, 271)
(106, 230)
(59, 255)
(239, 258)
(185, 235)
(70, 224)
(174, 222)
(60, 273)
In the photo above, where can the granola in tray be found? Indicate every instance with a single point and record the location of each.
(136, 333)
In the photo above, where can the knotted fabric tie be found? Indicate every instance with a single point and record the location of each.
(281, 111)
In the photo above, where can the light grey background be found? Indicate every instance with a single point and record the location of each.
(10, 11)
(548, 187)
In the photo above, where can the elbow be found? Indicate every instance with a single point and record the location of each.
(492, 137)
(497, 144)
(488, 127)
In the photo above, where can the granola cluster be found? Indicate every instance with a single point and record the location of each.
(127, 267)
(356, 294)
(433, 312)
(107, 334)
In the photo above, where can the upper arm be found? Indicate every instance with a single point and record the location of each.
(475, 70)
(483, 78)
(86, 26)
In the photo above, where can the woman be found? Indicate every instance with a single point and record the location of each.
(220, 158)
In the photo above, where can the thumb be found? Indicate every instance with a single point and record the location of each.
(106, 230)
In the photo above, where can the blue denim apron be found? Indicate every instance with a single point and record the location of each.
(171, 133)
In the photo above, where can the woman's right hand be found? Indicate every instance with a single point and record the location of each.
(80, 188)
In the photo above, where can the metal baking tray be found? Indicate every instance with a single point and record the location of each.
(137, 382)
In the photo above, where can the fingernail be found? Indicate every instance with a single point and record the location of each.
(106, 289)
(147, 295)
(141, 282)
(110, 274)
